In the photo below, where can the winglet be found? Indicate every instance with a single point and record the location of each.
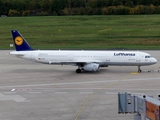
(20, 43)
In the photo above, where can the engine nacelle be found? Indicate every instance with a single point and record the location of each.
(91, 67)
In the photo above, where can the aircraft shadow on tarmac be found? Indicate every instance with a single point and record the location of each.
(113, 70)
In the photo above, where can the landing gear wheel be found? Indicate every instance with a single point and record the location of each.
(78, 71)
(139, 71)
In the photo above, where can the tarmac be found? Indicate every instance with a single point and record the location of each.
(34, 91)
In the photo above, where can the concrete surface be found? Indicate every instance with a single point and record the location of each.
(34, 91)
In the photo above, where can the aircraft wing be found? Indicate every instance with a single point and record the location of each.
(75, 62)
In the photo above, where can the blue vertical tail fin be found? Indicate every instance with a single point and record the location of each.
(20, 43)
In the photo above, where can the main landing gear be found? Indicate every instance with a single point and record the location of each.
(139, 69)
(78, 70)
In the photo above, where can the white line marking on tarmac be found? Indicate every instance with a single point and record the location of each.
(73, 83)
(13, 90)
(9, 92)
(35, 92)
(16, 98)
(86, 89)
(111, 93)
(86, 92)
(60, 92)
(132, 89)
(138, 94)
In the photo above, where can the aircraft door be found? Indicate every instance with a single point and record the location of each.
(70, 57)
(138, 58)
(107, 58)
(32, 56)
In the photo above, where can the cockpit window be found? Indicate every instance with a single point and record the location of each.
(147, 56)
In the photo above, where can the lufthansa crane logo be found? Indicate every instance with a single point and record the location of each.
(18, 40)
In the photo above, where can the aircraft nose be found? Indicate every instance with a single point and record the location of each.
(154, 60)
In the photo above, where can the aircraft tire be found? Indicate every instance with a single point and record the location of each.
(139, 71)
(78, 71)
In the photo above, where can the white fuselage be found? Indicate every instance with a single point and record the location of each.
(103, 58)
(85, 60)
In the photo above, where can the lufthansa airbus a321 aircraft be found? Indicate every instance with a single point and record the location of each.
(85, 60)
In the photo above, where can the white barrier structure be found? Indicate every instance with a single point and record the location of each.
(142, 106)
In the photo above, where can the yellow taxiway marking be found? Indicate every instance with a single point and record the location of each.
(90, 95)
(135, 73)
(80, 111)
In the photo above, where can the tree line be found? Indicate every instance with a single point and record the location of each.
(78, 7)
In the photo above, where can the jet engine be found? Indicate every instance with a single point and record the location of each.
(91, 67)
